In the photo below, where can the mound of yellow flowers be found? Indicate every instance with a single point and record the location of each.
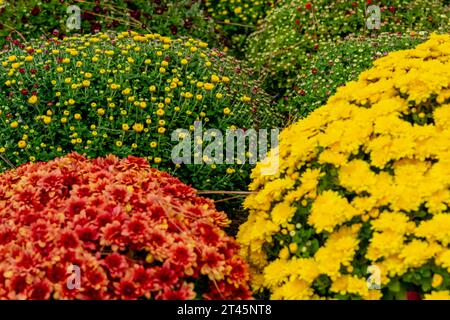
(359, 208)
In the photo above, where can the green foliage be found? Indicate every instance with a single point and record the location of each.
(337, 63)
(26, 19)
(292, 33)
(236, 19)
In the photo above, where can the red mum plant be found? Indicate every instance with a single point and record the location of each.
(128, 230)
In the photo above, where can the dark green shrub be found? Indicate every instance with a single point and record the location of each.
(235, 20)
(337, 63)
(292, 33)
(36, 18)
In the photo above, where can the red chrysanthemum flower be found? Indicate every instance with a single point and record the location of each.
(108, 228)
(41, 290)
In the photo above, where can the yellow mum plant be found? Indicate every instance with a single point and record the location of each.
(359, 208)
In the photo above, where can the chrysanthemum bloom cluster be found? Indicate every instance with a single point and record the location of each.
(36, 18)
(130, 231)
(124, 94)
(293, 32)
(360, 207)
(337, 63)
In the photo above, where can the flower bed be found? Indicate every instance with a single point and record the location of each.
(132, 231)
(293, 32)
(337, 63)
(360, 206)
(125, 94)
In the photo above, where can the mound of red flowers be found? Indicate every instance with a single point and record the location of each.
(108, 228)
